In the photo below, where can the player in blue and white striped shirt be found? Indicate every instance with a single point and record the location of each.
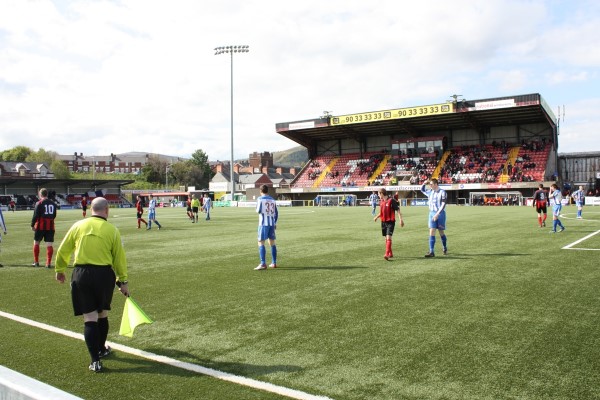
(266, 207)
(437, 214)
(152, 214)
(556, 201)
(579, 197)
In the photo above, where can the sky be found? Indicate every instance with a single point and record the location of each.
(99, 77)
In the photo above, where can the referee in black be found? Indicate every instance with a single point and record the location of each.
(99, 264)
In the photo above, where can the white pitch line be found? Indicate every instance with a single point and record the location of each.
(240, 380)
(570, 246)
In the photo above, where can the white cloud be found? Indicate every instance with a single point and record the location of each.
(104, 76)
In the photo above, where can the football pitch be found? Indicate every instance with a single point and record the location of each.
(512, 312)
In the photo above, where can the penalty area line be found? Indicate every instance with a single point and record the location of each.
(570, 246)
(225, 376)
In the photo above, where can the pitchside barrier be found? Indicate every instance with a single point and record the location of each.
(16, 386)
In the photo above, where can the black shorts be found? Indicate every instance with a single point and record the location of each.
(139, 215)
(542, 210)
(195, 210)
(48, 236)
(189, 208)
(387, 228)
(92, 288)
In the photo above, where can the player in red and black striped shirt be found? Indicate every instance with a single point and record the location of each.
(388, 207)
(42, 224)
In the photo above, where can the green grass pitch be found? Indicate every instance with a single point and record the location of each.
(507, 314)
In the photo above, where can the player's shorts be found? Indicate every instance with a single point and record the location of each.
(579, 203)
(151, 214)
(92, 288)
(48, 236)
(139, 214)
(189, 208)
(542, 209)
(195, 210)
(387, 228)
(266, 232)
(440, 223)
(556, 209)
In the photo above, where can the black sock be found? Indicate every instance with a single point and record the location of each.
(103, 332)
(91, 333)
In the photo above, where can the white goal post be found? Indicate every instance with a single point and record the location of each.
(335, 200)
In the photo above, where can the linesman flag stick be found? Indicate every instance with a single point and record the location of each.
(133, 316)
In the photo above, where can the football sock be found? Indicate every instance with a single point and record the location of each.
(156, 222)
(559, 223)
(262, 253)
(444, 241)
(431, 243)
(149, 223)
(274, 254)
(388, 247)
(36, 252)
(91, 335)
(102, 332)
(540, 220)
(554, 224)
(544, 218)
(49, 253)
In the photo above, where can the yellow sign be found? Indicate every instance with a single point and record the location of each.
(399, 113)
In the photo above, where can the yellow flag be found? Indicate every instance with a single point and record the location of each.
(133, 316)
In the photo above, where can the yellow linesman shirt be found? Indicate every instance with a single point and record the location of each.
(94, 241)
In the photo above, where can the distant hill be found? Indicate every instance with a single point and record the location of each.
(294, 157)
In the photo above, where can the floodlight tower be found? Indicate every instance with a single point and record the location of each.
(230, 50)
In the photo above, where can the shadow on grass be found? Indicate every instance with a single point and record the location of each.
(150, 366)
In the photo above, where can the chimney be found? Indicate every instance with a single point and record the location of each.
(278, 170)
(236, 168)
(265, 170)
(293, 171)
(219, 168)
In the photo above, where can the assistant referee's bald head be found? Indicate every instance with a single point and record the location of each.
(99, 205)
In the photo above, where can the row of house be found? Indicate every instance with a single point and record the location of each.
(25, 170)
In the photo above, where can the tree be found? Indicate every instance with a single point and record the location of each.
(16, 154)
(200, 159)
(202, 173)
(42, 156)
(60, 170)
(155, 170)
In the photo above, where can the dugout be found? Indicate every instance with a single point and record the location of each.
(496, 198)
